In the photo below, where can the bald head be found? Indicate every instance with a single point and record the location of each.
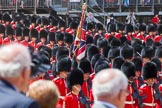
(13, 59)
(108, 83)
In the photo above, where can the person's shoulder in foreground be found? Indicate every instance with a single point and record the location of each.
(109, 89)
(15, 72)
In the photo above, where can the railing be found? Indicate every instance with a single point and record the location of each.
(119, 4)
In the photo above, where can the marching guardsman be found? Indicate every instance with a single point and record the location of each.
(59, 38)
(158, 37)
(54, 24)
(2, 33)
(38, 23)
(18, 34)
(63, 66)
(117, 62)
(151, 30)
(138, 80)
(74, 82)
(129, 31)
(43, 38)
(9, 33)
(147, 53)
(68, 39)
(142, 29)
(61, 26)
(85, 65)
(33, 22)
(99, 29)
(128, 68)
(136, 31)
(127, 52)
(90, 29)
(52, 41)
(6, 19)
(26, 37)
(120, 28)
(34, 37)
(111, 31)
(149, 90)
(72, 28)
(44, 23)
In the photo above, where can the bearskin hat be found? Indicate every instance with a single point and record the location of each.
(117, 63)
(61, 23)
(90, 26)
(129, 28)
(137, 50)
(135, 41)
(85, 65)
(95, 58)
(126, 51)
(51, 36)
(75, 77)
(33, 19)
(73, 25)
(18, 31)
(2, 29)
(160, 29)
(113, 52)
(34, 33)
(59, 36)
(43, 34)
(62, 51)
(149, 42)
(149, 70)
(92, 50)
(158, 52)
(157, 62)
(54, 50)
(89, 39)
(147, 52)
(96, 38)
(128, 68)
(9, 30)
(63, 64)
(138, 63)
(151, 28)
(45, 48)
(99, 26)
(115, 43)
(68, 38)
(6, 17)
(101, 42)
(101, 64)
(26, 31)
(112, 28)
(120, 26)
(44, 21)
(142, 27)
(54, 22)
(38, 21)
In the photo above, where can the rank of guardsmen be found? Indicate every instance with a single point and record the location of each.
(134, 49)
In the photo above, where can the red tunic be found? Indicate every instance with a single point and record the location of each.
(89, 33)
(61, 84)
(148, 92)
(33, 44)
(39, 44)
(52, 30)
(118, 35)
(157, 38)
(130, 101)
(50, 46)
(7, 41)
(85, 89)
(129, 38)
(16, 41)
(107, 35)
(148, 37)
(72, 101)
(24, 42)
(68, 30)
(155, 20)
(38, 28)
(1, 41)
(141, 37)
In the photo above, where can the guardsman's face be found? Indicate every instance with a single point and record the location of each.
(1, 35)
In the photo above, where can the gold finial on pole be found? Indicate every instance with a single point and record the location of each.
(84, 6)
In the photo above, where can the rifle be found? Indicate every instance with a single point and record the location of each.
(157, 94)
(83, 100)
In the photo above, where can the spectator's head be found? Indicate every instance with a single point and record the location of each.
(110, 85)
(44, 92)
(15, 64)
